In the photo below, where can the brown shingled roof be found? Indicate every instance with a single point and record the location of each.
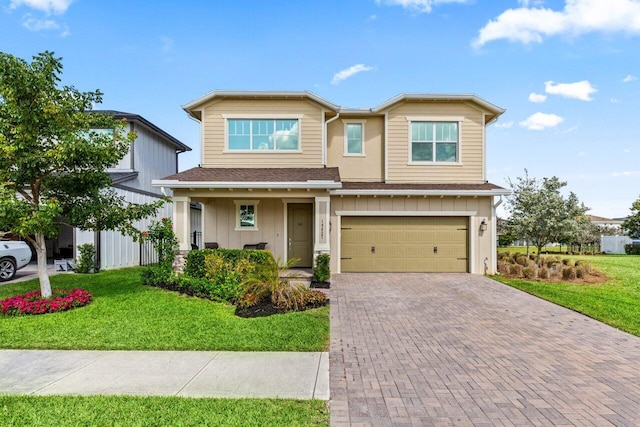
(201, 174)
(398, 187)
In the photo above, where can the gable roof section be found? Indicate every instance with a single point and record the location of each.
(191, 107)
(493, 110)
(136, 118)
(253, 178)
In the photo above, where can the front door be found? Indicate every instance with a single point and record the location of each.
(300, 233)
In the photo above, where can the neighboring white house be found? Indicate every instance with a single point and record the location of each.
(153, 155)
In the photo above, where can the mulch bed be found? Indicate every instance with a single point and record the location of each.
(266, 308)
(320, 285)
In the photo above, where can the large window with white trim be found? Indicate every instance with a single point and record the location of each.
(263, 134)
(435, 142)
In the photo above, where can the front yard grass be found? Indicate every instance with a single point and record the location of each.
(159, 411)
(615, 302)
(126, 315)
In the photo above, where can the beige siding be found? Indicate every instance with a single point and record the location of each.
(311, 125)
(220, 223)
(480, 244)
(471, 140)
(353, 168)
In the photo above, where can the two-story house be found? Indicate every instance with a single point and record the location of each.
(152, 155)
(396, 188)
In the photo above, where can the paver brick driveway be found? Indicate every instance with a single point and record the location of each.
(459, 349)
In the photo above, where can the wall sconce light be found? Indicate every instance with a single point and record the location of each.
(483, 225)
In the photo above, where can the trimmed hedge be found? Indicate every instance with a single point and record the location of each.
(631, 249)
(195, 266)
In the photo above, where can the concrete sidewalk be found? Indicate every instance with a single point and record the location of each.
(294, 375)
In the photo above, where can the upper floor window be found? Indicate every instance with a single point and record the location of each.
(263, 134)
(435, 141)
(354, 137)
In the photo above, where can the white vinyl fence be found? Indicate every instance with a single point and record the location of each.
(614, 244)
(116, 249)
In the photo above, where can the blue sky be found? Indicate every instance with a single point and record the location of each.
(566, 71)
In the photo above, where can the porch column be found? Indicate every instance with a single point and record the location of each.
(321, 225)
(181, 221)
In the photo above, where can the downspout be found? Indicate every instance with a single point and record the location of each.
(494, 243)
(324, 137)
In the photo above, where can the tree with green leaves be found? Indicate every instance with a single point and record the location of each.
(54, 153)
(631, 225)
(540, 214)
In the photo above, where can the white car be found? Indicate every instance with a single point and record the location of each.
(13, 256)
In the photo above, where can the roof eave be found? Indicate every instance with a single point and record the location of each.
(312, 184)
(190, 106)
(379, 192)
(439, 97)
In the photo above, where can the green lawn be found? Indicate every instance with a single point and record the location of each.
(158, 411)
(615, 302)
(125, 315)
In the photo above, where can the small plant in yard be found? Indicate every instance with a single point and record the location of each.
(227, 275)
(164, 241)
(86, 262)
(568, 273)
(33, 303)
(321, 270)
(543, 273)
(270, 281)
(529, 273)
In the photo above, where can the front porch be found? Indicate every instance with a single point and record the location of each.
(294, 224)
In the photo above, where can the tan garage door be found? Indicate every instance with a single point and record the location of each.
(404, 244)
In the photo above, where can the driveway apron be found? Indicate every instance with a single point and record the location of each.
(460, 349)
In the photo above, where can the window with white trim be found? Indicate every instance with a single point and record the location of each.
(354, 137)
(246, 215)
(433, 141)
(263, 134)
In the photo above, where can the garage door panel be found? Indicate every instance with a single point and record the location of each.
(404, 244)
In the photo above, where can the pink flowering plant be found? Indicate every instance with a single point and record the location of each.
(33, 303)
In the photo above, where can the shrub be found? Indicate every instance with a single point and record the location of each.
(631, 249)
(226, 275)
(321, 270)
(566, 261)
(516, 270)
(543, 273)
(195, 265)
(580, 272)
(268, 281)
(164, 241)
(86, 262)
(568, 273)
(532, 257)
(529, 273)
(157, 276)
(314, 298)
(522, 260)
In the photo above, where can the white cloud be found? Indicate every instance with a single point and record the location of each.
(626, 173)
(373, 17)
(581, 154)
(505, 125)
(531, 25)
(537, 98)
(629, 78)
(578, 90)
(626, 150)
(345, 74)
(571, 129)
(541, 121)
(421, 6)
(57, 7)
(34, 24)
(614, 100)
